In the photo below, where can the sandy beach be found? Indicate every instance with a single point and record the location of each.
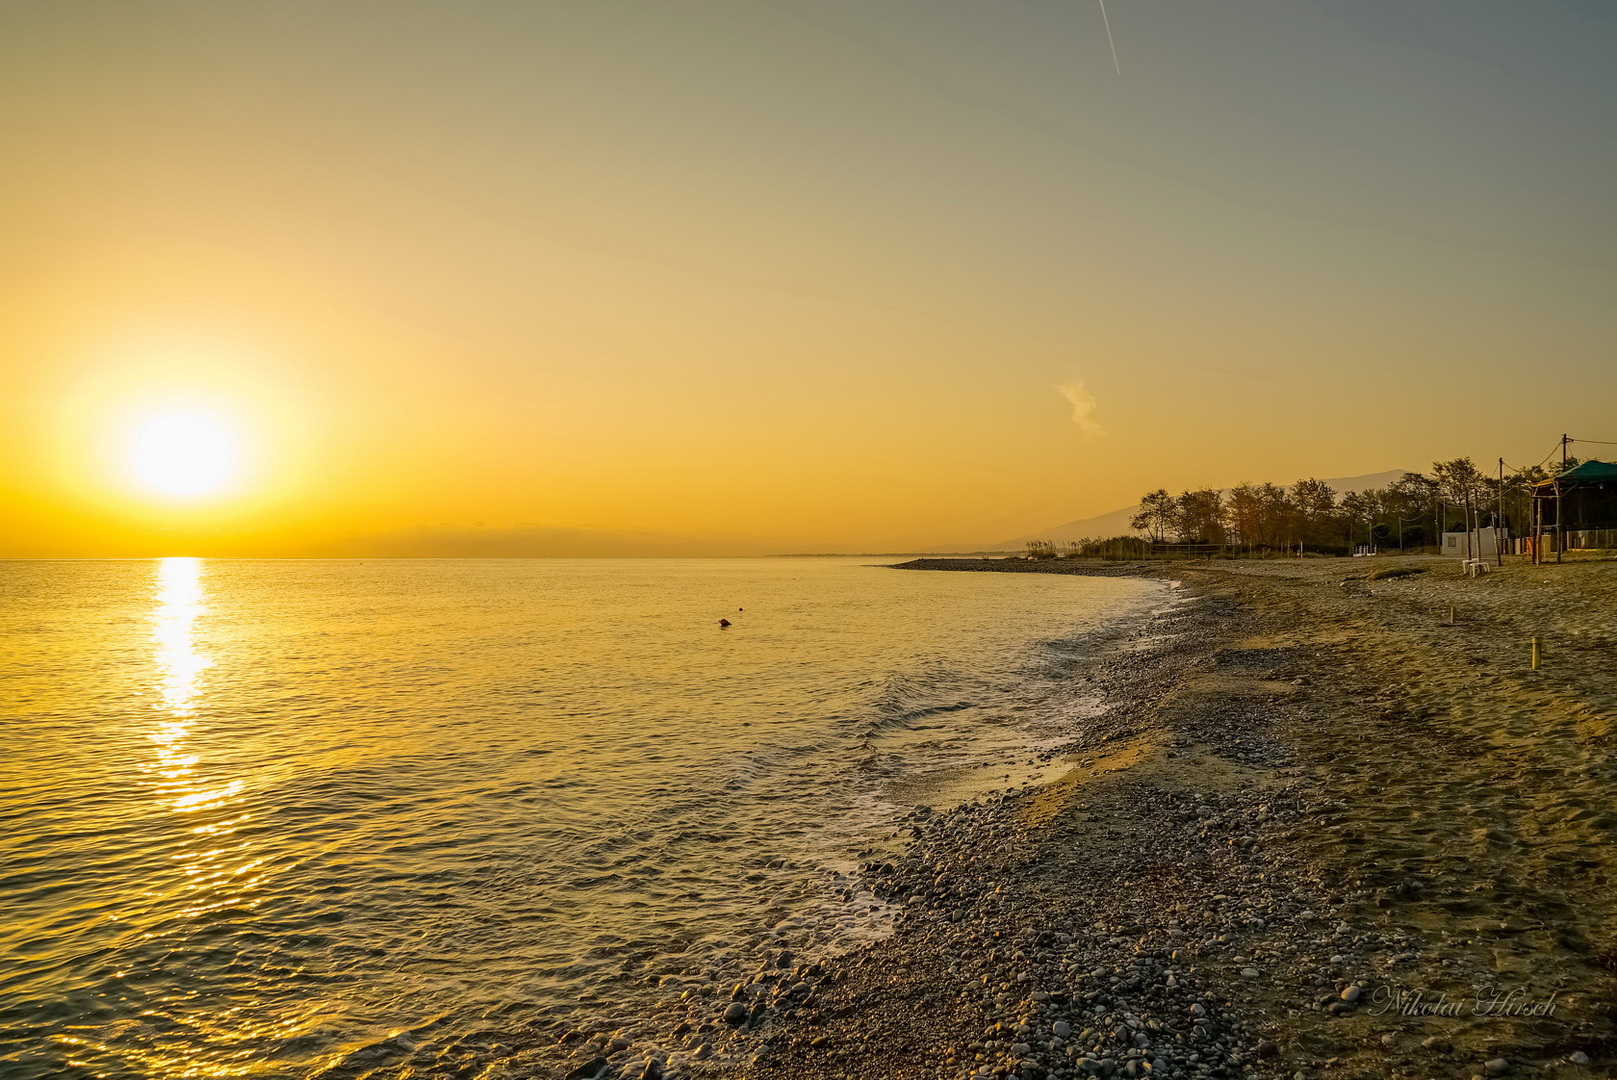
(1319, 831)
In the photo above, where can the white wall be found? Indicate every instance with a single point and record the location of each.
(1483, 544)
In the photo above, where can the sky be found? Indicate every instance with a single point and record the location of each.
(782, 275)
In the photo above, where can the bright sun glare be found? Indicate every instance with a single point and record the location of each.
(183, 453)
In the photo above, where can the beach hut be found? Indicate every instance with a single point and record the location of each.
(1576, 508)
(1475, 544)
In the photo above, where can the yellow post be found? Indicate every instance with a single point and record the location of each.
(1537, 653)
(1451, 614)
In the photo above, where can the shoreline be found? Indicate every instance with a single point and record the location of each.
(1287, 847)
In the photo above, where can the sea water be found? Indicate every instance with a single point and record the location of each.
(411, 817)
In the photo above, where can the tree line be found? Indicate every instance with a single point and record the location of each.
(1413, 511)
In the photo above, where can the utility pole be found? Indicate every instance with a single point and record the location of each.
(1469, 519)
(1499, 518)
(1560, 522)
(1564, 441)
(1538, 529)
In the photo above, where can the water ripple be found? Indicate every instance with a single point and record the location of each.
(269, 819)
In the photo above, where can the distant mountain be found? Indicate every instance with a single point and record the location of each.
(1116, 523)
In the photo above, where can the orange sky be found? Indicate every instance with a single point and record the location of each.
(786, 276)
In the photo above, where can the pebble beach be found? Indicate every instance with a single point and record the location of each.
(1319, 829)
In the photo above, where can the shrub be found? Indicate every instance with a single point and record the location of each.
(1382, 573)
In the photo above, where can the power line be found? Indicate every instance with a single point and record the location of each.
(1547, 456)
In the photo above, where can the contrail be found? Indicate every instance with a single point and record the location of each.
(1109, 40)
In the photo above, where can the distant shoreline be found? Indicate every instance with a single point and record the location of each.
(1010, 564)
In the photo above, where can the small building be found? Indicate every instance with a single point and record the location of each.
(1577, 508)
(1483, 543)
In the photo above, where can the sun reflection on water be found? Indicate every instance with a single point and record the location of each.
(180, 664)
(179, 600)
(215, 871)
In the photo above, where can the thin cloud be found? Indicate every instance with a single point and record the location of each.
(1083, 408)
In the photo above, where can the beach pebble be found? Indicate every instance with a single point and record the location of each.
(1578, 1057)
(1062, 1029)
(1351, 994)
(735, 1012)
(1251, 972)
(1495, 1066)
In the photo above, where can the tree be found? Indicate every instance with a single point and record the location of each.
(1414, 485)
(1412, 498)
(1244, 514)
(1314, 504)
(1314, 499)
(1458, 481)
(1158, 515)
(1359, 510)
(1276, 516)
(1201, 517)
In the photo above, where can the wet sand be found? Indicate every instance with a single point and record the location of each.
(1318, 832)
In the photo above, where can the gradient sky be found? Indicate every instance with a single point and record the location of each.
(785, 275)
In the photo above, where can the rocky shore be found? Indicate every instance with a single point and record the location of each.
(1319, 831)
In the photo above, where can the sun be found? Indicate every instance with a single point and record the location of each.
(183, 453)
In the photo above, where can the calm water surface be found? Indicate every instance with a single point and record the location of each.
(260, 818)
